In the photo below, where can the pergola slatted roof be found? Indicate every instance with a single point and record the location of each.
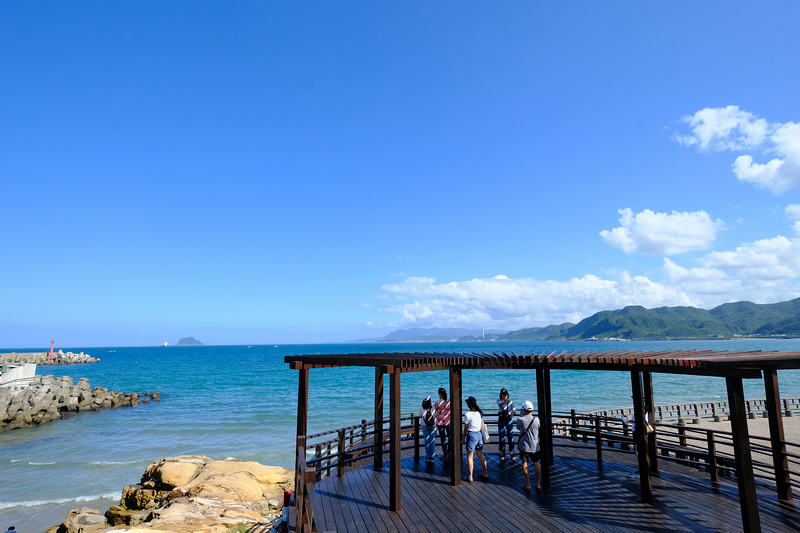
(746, 364)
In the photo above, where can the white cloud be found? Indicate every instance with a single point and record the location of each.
(517, 303)
(729, 128)
(723, 128)
(792, 211)
(662, 233)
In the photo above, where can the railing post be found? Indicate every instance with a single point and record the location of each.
(598, 438)
(681, 441)
(341, 455)
(625, 433)
(416, 439)
(712, 456)
(363, 429)
(573, 425)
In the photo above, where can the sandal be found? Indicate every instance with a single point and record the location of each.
(526, 489)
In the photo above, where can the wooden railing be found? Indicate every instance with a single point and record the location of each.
(699, 410)
(703, 448)
(305, 477)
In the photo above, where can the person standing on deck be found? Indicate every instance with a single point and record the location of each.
(473, 419)
(505, 424)
(528, 426)
(443, 423)
(428, 416)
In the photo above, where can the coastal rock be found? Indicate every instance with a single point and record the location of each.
(83, 520)
(204, 496)
(49, 398)
(44, 359)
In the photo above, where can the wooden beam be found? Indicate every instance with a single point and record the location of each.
(455, 426)
(394, 441)
(751, 522)
(377, 459)
(640, 438)
(779, 459)
(649, 408)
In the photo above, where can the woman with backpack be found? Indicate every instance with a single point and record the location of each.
(427, 416)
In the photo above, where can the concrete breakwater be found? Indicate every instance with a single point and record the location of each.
(48, 398)
(191, 493)
(44, 359)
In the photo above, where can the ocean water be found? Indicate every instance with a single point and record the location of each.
(241, 401)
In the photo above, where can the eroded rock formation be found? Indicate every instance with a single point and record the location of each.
(191, 493)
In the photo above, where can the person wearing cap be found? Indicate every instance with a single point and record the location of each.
(428, 422)
(505, 424)
(472, 437)
(528, 426)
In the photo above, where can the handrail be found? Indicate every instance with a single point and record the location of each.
(305, 477)
(703, 409)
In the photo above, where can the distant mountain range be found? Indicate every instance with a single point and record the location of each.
(432, 335)
(738, 319)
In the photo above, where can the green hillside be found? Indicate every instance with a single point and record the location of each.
(636, 322)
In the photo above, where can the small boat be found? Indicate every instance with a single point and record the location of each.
(164, 344)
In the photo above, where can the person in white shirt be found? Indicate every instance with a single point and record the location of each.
(473, 419)
(528, 426)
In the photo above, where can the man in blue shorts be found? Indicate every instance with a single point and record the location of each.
(528, 427)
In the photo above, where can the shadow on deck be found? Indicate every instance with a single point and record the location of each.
(581, 498)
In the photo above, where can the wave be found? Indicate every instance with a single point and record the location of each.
(32, 463)
(37, 503)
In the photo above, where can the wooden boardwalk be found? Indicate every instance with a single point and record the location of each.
(581, 498)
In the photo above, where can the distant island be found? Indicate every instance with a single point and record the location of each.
(189, 341)
(634, 322)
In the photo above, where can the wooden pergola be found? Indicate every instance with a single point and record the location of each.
(734, 366)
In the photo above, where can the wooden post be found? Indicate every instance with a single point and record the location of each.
(573, 424)
(548, 423)
(776, 436)
(416, 439)
(598, 441)
(302, 407)
(751, 522)
(394, 441)
(649, 407)
(640, 438)
(625, 433)
(377, 440)
(341, 454)
(712, 456)
(541, 400)
(455, 426)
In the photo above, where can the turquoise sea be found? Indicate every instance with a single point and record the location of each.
(240, 401)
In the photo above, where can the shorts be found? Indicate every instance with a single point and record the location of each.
(528, 456)
(474, 441)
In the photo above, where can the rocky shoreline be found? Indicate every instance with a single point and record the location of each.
(44, 359)
(191, 493)
(48, 398)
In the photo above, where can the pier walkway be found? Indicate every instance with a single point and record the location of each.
(581, 497)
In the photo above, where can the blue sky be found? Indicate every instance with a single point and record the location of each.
(283, 172)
